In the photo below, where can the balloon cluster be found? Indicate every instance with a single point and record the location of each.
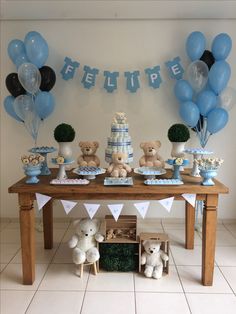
(30, 100)
(204, 96)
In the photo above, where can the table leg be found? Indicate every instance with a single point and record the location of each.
(209, 238)
(189, 226)
(27, 238)
(48, 225)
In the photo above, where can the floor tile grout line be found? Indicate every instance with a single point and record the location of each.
(229, 231)
(225, 278)
(135, 300)
(85, 292)
(48, 265)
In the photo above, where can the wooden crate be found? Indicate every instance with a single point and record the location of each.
(160, 237)
(124, 229)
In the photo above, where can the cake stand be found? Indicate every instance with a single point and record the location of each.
(197, 154)
(89, 173)
(43, 150)
(62, 168)
(149, 172)
(176, 168)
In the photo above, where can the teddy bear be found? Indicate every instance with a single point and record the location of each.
(88, 157)
(84, 241)
(119, 118)
(152, 258)
(118, 168)
(151, 158)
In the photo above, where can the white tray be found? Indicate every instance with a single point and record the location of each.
(163, 182)
(69, 182)
(118, 181)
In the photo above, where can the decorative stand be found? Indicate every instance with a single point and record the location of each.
(32, 172)
(176, 168)
(89, 173)
(62, 168)
(197, 154)
(149, 172)
(43, 150)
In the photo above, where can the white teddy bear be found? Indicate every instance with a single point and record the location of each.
(83, 242)
(152, 259)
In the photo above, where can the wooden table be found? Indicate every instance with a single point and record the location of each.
(97, 191)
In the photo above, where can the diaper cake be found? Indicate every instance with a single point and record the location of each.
(120, 140)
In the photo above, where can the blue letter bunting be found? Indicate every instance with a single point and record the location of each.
(154, 77)
(132, 81)
(110, 83)
(68, 71)
(174, 67)
(89, 77)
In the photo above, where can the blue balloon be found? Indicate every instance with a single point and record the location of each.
(221, 46)
(15, 48)
(44, 104)
(183, 90)
(8, 105)
(21, 59)
(195, 45)
(217, 119)
(36, 48)
(189, 112)
(206, 101)
(219, 76)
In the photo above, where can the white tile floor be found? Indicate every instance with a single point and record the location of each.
(58, 290)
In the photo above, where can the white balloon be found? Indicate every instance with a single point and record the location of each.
(227, 98)
(197, 75)
(29, 77)
(23, 104)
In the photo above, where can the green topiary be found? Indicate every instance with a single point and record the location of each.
(64, 133)
(178, 133)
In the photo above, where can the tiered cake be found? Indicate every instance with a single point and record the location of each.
(119, 141)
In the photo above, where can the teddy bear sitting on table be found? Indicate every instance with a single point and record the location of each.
(151, 158)
(88, 157)
(118, 167)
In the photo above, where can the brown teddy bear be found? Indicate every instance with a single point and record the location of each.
(88, 157)
(118, 168)
(151, 158)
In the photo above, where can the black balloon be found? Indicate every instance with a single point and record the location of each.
(199, 124)
(208, 58)
(48, 78)
(14, 86)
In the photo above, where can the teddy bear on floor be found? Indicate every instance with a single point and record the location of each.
(118, 168)
(151, 158)
(152, 259)
(88, 157)
(84, 241)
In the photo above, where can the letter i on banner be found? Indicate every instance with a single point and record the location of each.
(167, 203)
(68, 70)
(190, 198)
(132, 81)
(115, 210)
(91, 209)
(68, 205)
(142, 208)
(42, 200)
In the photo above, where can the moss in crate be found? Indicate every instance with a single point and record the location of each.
(118, 257)
(118, 249)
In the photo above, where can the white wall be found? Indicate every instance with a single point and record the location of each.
(113, 45)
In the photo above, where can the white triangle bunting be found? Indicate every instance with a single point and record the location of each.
(68, 205)
(115, 210)
(142, 208)
(167, 203)
(42, 200)
(91, 209)
(190, 198)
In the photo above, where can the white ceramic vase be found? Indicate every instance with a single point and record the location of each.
(65, 150)
(178, 149)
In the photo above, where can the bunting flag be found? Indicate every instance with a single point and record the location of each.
(68, 205)
(167, 203)
(190, 198)
(91, 209)
(42, 199)
(115, 210)
(142, 208)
